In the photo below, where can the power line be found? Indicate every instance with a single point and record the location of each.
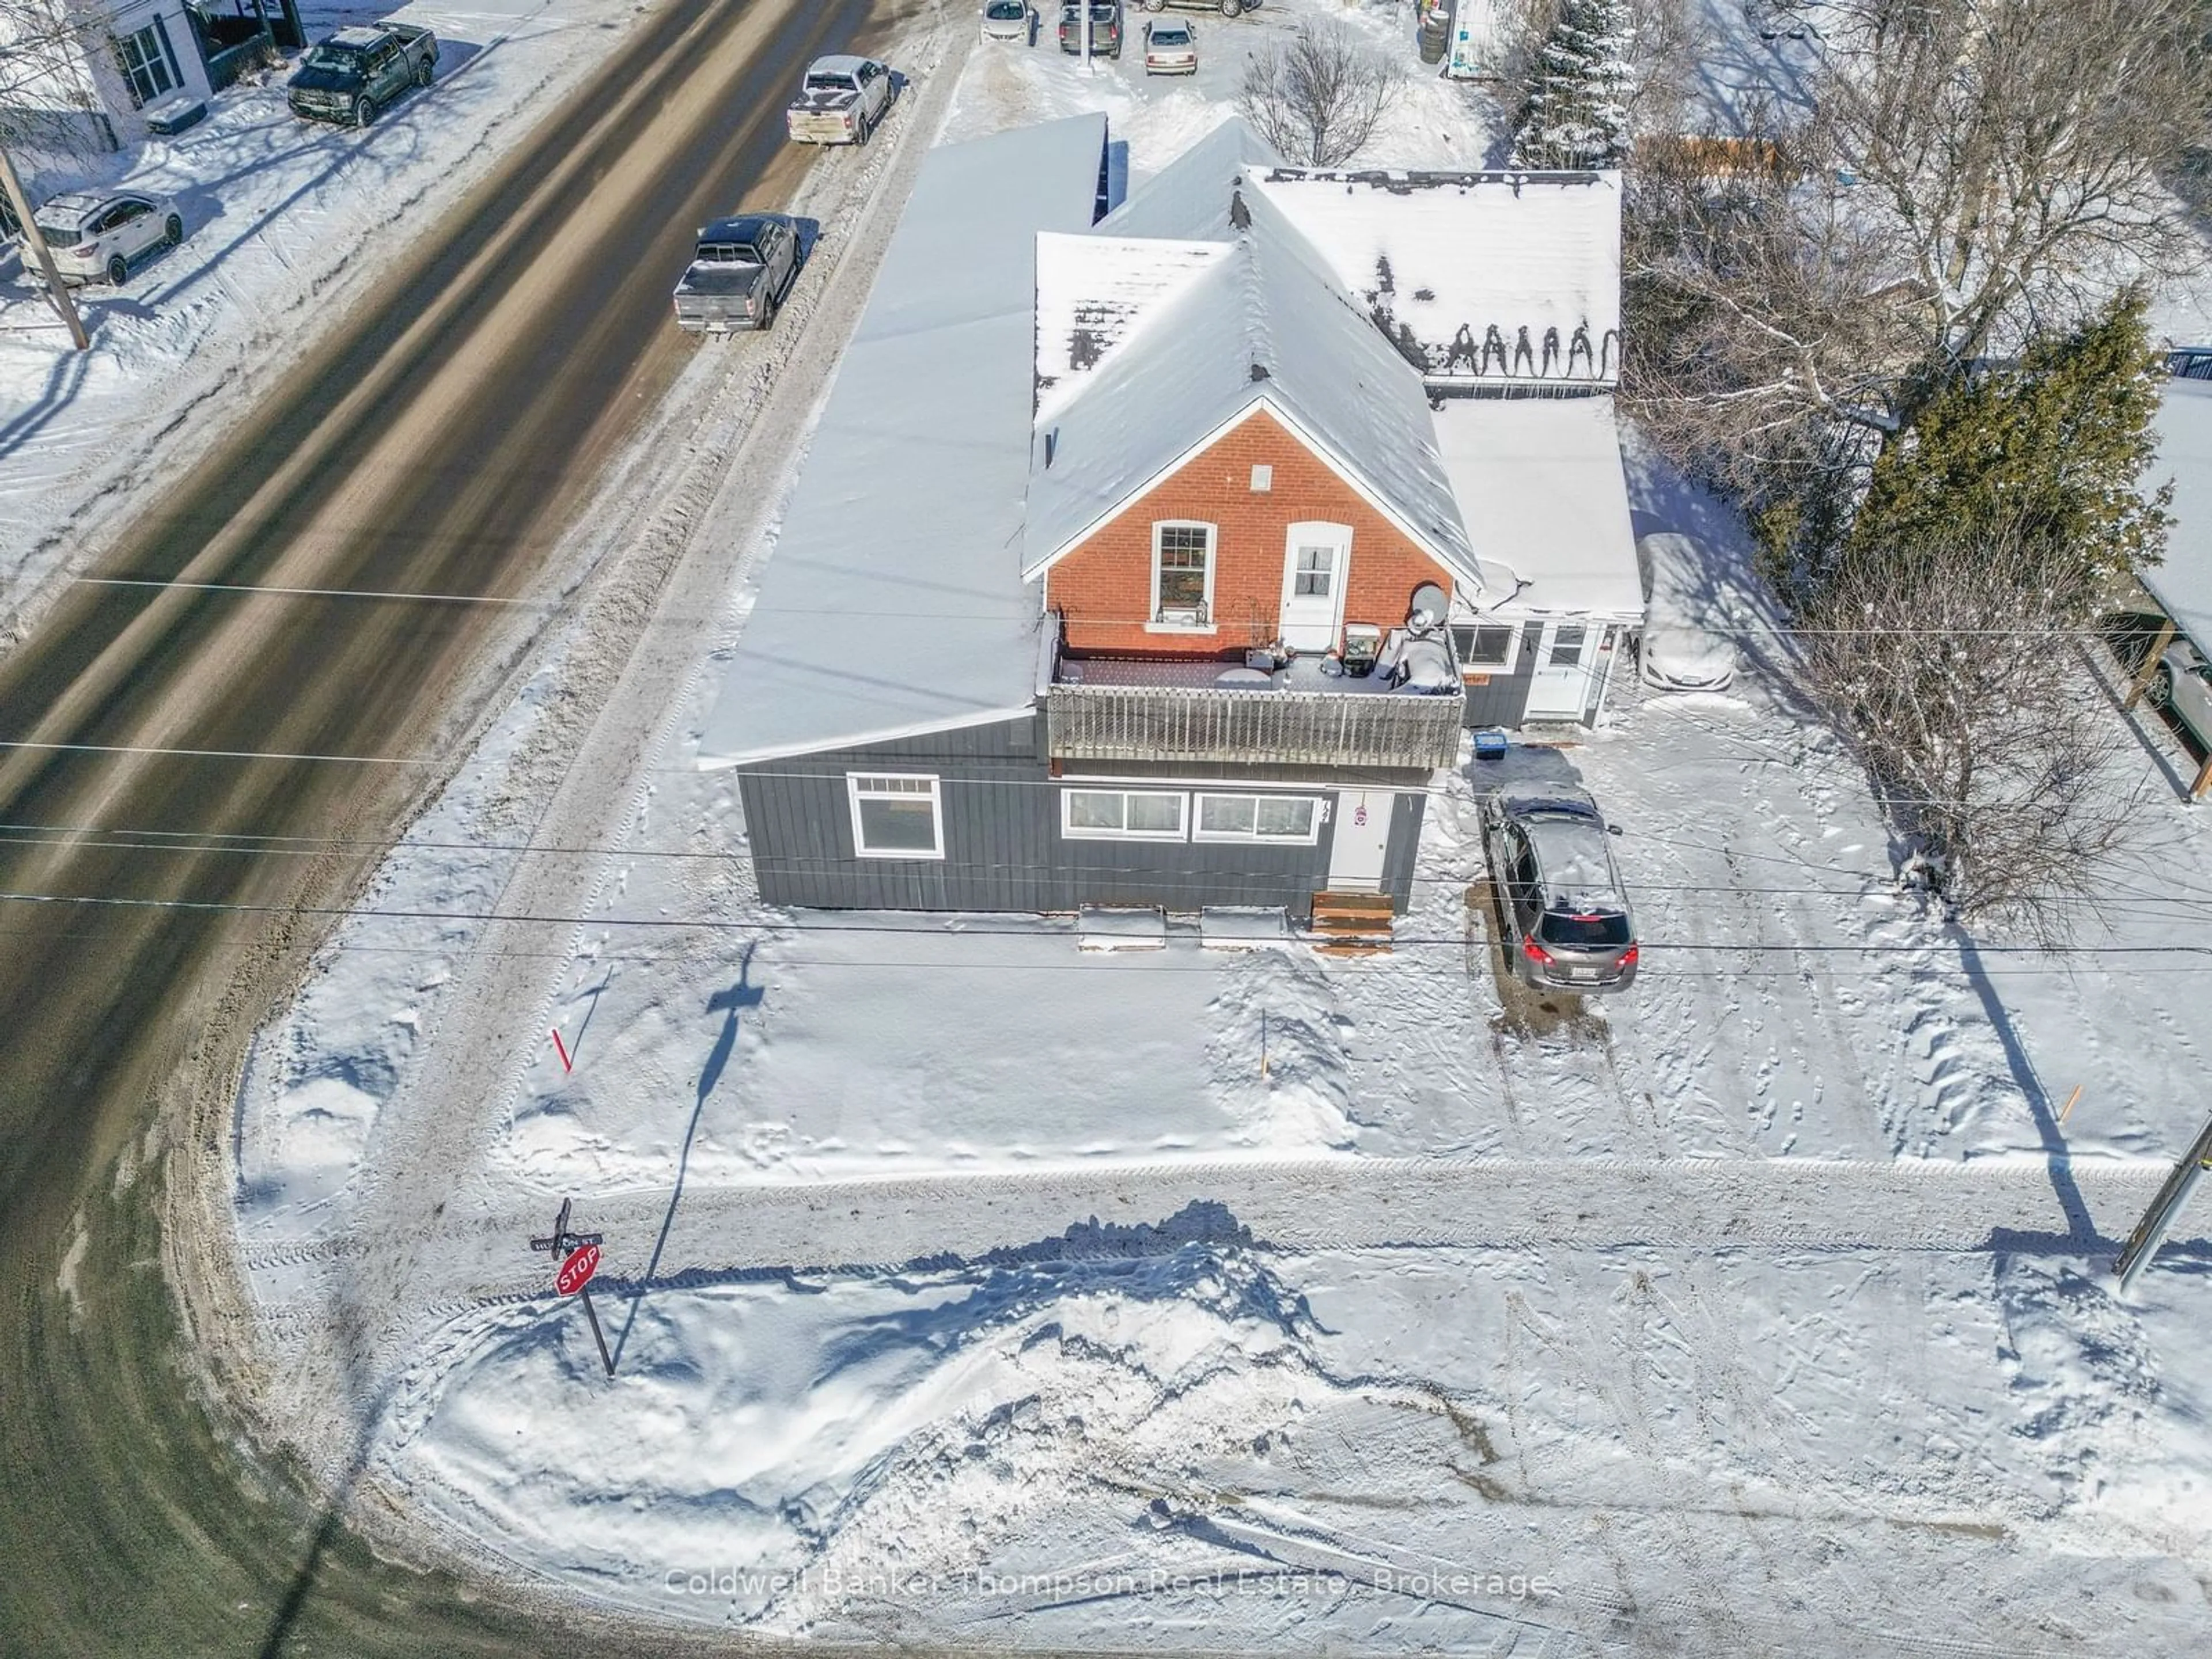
(771, 929)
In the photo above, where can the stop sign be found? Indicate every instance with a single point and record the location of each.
(576, 1272)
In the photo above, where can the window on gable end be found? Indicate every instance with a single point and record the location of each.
(1182, 574)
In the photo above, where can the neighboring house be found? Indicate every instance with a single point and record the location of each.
(2181, 582)
(79, 74)
(1082, 625)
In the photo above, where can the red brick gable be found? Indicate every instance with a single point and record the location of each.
(1103, 585)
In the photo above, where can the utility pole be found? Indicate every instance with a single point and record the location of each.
(35, 241)
(1086, 33)
(2150, 1231)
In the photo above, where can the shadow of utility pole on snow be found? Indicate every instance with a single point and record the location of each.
(730, 1004)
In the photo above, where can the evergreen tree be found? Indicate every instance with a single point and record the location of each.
(2046, 454)
(1576, 113)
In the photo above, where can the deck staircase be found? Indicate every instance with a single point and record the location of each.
(1352, 924)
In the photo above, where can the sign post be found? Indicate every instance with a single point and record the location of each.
(579, 1260)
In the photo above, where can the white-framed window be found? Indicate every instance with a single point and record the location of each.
(896, 814)
(1567, 641)
(1314, 575)
(1123, 814)
(1487, 647)
(1182, 575)
(148, 66)
(1284, 820)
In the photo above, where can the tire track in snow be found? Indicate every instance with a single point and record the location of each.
(1299, 1206)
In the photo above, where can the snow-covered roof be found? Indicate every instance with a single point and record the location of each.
(2182, 582)
(1544, 500)
(838, 64)
(1189, 199)
(1260, 323)
(894, 602)
(1488, 278)
(1090, 291)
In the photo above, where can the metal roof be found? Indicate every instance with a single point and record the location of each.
(894, 602)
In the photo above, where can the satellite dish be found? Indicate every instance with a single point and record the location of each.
(1428, 607)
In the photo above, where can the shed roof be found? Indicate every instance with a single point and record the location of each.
(1540, 484)
(1526, 265)
(2182, 582)
(894, 604)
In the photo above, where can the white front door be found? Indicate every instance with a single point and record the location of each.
(1359, 839)
(1317, 561)
(1566, 657)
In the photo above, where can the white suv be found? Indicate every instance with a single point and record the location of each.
(96, 237)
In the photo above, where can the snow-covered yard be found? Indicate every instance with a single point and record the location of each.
(285, 220)
(1149, 1429)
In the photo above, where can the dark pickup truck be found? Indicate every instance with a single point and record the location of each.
(739, 274)
(359, 70)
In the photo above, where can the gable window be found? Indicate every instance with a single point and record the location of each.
(1122, 814)
(1487, 647)
(1289, 820)
(895, 816)
(1182, 575)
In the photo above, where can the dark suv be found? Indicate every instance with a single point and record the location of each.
(1105, 28)
(1567, 922)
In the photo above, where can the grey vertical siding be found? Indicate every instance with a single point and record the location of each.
(1405, 844)
(1504, 701)
(1003, 847)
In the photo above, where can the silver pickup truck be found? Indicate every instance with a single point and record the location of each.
(842, 101)
(740, 273)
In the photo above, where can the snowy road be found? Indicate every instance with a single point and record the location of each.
(310, 626)
(1301, 1207)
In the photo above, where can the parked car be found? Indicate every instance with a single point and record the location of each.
(841, 101)
(360, 70)
(1171, 48)
(1567, 921)
(1226, 7)
(740, 272)
(1009, 19)
(107, 235)
(1684, 647)
(2183, 684)
(1105, 28)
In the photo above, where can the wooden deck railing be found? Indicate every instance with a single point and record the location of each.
(1300, 729)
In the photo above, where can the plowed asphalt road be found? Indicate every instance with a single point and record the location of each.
(435, 443)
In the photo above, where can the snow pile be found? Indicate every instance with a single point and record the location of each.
(812, 1441)
(1169, 1438)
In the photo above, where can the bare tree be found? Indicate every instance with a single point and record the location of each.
(46, 79)
(1957, 679)
(1973, 171)
(47, 99)
(2012, 150)
(1318, 100)
(1767, 331)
